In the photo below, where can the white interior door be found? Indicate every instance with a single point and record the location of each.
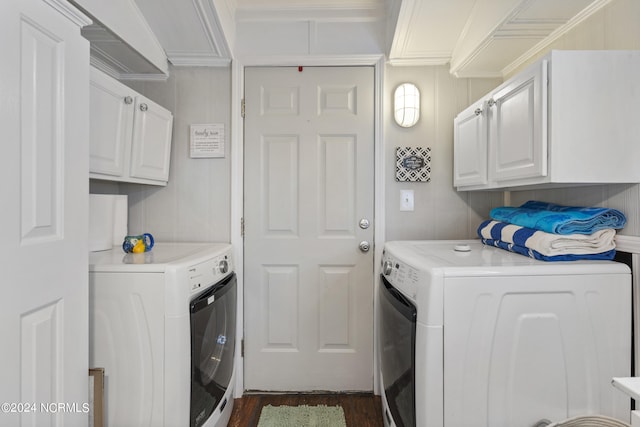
(309, 144)
(44, 93)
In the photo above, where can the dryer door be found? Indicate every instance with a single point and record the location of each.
(397, 354)
(213, 330)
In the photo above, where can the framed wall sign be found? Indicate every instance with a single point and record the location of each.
(207, 141)
(413, 164)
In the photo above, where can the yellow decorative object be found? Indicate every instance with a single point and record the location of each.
(139, 247)
(138, 244)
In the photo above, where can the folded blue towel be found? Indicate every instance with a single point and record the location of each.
(559, 219)
(537, 255)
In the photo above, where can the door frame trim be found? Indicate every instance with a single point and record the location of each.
(237, 178)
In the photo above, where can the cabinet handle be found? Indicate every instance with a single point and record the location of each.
(143, 107)
(128, 100)
(478, 111)
(491, 102)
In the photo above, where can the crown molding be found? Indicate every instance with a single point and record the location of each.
(435, 59)
(71, 12)
(544, 44)
(195, 60)
(338, 12)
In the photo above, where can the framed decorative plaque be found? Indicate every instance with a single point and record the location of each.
(413, 164)
(207, 141)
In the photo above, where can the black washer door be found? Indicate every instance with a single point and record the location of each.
(213, 331)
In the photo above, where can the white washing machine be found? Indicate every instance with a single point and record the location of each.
(472, 335)
(163, 325)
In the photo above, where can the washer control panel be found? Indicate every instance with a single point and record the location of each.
(203, 275)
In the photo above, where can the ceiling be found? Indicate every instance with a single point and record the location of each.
(477, 38)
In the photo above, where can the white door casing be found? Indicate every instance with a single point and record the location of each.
(44, 97)
(309, 144)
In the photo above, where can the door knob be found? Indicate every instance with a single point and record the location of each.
(364, 223)
(364, 246)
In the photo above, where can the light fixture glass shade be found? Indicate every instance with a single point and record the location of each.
(406, 105)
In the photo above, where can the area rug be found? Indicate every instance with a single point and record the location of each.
(302, 416)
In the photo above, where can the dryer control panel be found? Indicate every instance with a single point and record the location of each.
(401, 276)
(210, 272)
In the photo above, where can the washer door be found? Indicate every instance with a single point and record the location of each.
(213, 330)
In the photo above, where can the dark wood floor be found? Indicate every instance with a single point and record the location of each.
(360, 409)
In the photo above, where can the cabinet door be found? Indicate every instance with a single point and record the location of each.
(151, 147)
(111, 123)
(518, 127)
(470, 146)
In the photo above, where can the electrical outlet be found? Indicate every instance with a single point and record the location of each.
(406, 200)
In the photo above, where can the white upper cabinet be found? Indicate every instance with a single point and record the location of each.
(151, 143)
(568, 119)
(470, 137)
(517, 126)
(111, 119)
(130, 134)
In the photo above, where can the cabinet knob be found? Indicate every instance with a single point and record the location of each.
(144, 107)
(478, 111)
(128, 100)
(491, 102)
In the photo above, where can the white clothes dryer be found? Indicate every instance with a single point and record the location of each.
(472, 335)
(163, 324)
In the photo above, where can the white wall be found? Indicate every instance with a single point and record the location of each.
(308, 37)
(617, 26)
(440, 211)
(195, 205)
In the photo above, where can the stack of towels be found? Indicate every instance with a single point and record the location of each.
(551, 232)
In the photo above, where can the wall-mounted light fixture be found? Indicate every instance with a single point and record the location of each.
(406, 105)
